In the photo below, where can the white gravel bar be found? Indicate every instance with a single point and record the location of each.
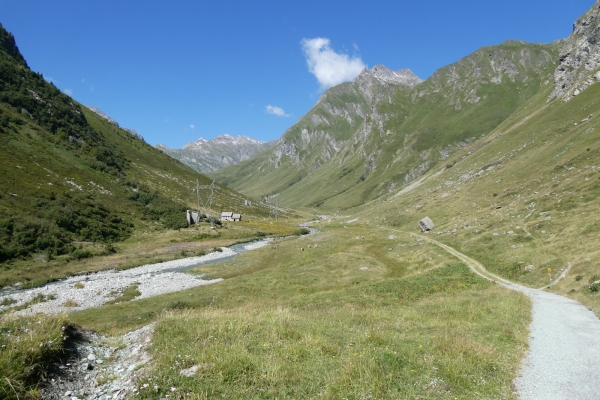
(103, 286)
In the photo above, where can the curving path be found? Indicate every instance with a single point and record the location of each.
(563, 360)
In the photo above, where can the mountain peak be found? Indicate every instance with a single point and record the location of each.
(402, 76)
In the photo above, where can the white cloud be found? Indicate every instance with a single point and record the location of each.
(191, 126)
(276, 111)
(330, 68)
(68, 92)
(50, 79)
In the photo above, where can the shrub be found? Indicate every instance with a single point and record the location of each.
(7, 301)
(179, 305)
(80, 254)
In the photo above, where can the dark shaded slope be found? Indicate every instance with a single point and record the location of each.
(68, 175)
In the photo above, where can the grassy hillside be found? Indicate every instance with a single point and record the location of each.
(353, 147)
(71, 178)
(521, 200)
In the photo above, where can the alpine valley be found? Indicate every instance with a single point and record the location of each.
(500, 150)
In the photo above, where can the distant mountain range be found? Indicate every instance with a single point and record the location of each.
(210, 155)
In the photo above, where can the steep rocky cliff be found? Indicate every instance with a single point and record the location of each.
(579, 57)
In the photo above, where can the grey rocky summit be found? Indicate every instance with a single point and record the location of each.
(402, 76)
(579, 57)
(210, 155)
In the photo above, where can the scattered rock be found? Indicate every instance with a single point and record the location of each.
(191, 371)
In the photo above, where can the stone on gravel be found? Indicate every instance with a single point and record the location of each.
(91, 357)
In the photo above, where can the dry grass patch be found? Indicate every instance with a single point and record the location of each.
(70, 303)
(28, 345)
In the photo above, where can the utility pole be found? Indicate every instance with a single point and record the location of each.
(198, 198)
(210, 200)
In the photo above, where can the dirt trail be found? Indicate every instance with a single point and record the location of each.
(563, 360)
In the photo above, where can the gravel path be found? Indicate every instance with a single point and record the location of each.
(95, 289)
(563, 360)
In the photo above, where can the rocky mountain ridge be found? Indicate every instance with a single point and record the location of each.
(402, 76)
(210, 155)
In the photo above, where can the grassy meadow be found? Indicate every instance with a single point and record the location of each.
(358, 314)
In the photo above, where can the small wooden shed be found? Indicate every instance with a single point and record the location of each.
(230, 216)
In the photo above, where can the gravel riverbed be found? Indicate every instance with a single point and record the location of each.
(93, 290)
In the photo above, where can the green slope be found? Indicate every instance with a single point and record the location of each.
(68, 175)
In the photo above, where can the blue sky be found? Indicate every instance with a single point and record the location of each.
(178, 70)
